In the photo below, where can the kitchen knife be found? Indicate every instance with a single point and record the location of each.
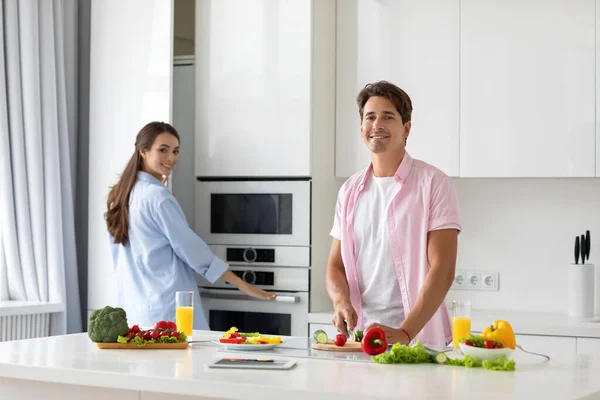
(583, 252)
(350, 332)
(588, 245)
(576, 249)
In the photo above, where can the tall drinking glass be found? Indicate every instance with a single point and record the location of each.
(184, 312)
(461, 321)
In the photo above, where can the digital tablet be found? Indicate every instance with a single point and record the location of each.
(251, 363)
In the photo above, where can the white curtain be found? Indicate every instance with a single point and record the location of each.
(38, 82)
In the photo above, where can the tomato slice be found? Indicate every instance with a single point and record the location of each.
(232, 340)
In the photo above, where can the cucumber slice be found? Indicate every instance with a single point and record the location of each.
(320, 336)
(441, 358)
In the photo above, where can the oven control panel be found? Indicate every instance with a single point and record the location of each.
(250, 255)
(256, 277)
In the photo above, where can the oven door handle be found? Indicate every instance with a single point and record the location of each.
(230, 296)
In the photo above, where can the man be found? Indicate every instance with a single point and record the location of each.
(395, 232)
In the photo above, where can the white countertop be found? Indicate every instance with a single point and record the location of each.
(74, 359)
(523, 322)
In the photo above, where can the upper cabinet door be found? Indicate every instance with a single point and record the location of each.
(253, 76)
(415, 45)
(527, 88)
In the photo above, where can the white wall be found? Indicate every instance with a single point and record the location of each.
(525, 229)
(130, 85)
(522, 228)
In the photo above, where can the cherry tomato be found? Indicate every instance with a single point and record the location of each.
(134, 329)
(488, 344)
(154, 334)
(175, 335)
(340, 340)
(468, 343)
(499, 345)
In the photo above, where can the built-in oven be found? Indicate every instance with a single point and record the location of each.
(262, 230)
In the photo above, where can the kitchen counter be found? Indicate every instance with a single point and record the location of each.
(523, 322)
(58, 366)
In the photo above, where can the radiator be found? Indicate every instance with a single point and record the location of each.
(16, 327)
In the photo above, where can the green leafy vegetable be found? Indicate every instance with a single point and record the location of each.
(140, 342)
(417, 354)
(105, 325)
(250, 334)
(501, 363)
(476, 340)
(403, 354)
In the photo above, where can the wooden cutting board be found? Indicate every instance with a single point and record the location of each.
(149, 346)
(330, 346)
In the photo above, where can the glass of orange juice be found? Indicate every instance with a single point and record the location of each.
(461, 321)
(184, 312)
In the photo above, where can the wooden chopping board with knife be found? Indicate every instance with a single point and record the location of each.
(349, 346)
(322, 342)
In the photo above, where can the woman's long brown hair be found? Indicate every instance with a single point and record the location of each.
(117, 204)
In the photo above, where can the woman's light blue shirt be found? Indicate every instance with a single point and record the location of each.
(161, 257)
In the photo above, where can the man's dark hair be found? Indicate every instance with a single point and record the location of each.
(393, 93)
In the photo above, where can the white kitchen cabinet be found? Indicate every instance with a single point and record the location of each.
(556, 347)
(588, 346)
(253, 88)
(414, 45)
(527, 98)
(183, 121)
(328, 328)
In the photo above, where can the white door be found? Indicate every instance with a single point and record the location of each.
(183, 121)
(253, 87)
(415, 45)
(527, 88)
(130, 85)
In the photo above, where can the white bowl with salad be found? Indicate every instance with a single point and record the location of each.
(483, 349)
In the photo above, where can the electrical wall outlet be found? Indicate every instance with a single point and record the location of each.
(489, 280)
(473, 280)
(460, 280)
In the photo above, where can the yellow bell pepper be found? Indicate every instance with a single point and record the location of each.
(501, 332)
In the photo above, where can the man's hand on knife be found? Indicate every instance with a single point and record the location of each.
(344, 311)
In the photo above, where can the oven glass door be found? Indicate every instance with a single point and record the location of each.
(287, 315)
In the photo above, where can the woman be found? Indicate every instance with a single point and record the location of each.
(155, 253)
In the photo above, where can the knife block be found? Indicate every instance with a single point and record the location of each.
(581, 290)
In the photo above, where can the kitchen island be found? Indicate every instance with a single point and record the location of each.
(71, 366)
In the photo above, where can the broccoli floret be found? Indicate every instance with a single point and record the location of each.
(107, 324)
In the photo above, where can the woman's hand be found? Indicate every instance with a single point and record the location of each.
(393, 335)
(253, 291)
(246, 287)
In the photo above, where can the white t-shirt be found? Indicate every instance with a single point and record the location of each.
(377, 280)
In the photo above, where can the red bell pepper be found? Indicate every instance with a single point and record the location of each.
(374, 341)
(232, 340)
